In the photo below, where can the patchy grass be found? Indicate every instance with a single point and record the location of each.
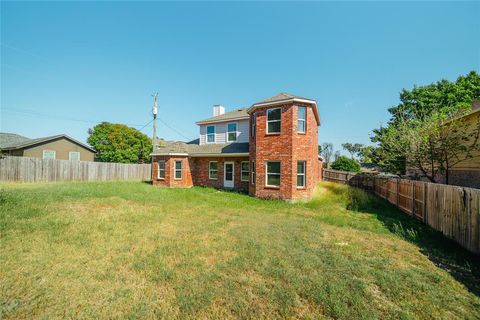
(130, 250)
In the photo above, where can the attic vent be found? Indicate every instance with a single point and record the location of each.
(218, 109)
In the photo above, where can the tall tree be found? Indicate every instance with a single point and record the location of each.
(353, 148)
(119, 143)
(426, 130)
(327, 151)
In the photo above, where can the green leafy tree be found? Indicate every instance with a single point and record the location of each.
(353, 148)
(119, 143)
(327, 152)
(419, 127)
(343, 163)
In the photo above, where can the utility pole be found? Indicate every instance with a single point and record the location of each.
(154, 112)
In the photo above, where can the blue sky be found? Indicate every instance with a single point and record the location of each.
(66, 66)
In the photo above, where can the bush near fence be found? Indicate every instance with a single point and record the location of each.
(452, 210)
(24, 169)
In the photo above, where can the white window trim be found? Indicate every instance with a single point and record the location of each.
(236, 132)
(209, 171)
(70, 155)
(175, 170)
(164, 167)
(304, 174)
(253, 172)
(304, 120)
(242, 171)
(268, 121)
(266, 174)
(54, 154)
(214, 133)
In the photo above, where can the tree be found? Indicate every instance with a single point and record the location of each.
(425, 130)
(353, 148)
(343, 163)
(368, 154)
(119, 143)
(327, 151)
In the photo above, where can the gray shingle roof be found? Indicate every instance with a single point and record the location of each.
(239, 113)
(15, 141)
(192, 148)
(281, 96)
(10, 140)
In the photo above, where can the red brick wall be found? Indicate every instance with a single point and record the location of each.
(200, 169)
(170, 181)
(288, 147)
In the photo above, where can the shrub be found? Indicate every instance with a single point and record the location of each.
(343, 163)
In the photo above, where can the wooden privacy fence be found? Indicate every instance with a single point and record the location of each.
(452, 210)
(23, 169)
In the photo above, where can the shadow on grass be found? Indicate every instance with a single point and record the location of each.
(443, 252)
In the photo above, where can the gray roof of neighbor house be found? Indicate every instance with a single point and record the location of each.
(193, 148)
(236, 114)
(10, 141)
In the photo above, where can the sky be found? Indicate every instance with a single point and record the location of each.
(66, 66)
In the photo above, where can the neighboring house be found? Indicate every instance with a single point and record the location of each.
(269, 150)
(55, 147)
(467, 172)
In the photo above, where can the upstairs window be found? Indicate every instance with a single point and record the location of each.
(161, 169)
(301, 174)
(254, 123)
(178, 169)
(274, 120)
(213, 170)
(301, 118)
(231, 132)
(245, 172)
(273, 174)
(210, 134)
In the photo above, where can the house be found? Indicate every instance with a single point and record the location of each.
(467, 172)
(60, 147)
(269, 150)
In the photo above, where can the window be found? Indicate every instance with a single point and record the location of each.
(302, 116)
(245, 172)
(274, 120)
(231, 132)
(301, 174)
(254, 123)
(178, 169)
(213, 170)
(49, 154)
(273, 174)
(161, 169)
(253, 172)
(74, 155)
(210, 134)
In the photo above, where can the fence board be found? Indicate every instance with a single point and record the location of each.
(24, 169)
(452, 210)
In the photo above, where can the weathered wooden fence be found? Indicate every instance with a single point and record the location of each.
(452, 210)
(23, 169)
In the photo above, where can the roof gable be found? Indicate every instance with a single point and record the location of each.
(20, 144)
(227, 116)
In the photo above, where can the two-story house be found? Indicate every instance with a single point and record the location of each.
(269, 150)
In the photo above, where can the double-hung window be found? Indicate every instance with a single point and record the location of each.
(74, 156)
(274, 120)
(49, 154)
(161, 169)
(253, 172)
(231, 132)
(213, 170)
(178, 169)
(301, 118)
(273, 174)
(301, 165)
(210, 134)
(245, 172)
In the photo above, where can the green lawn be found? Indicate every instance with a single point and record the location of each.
(130, 250)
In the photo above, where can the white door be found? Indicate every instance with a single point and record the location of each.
(228, 174)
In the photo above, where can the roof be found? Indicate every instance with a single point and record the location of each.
(194, 149)
(232, 115)
(10, 141)
(282, 98)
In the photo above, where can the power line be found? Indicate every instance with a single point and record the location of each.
(173, 129)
